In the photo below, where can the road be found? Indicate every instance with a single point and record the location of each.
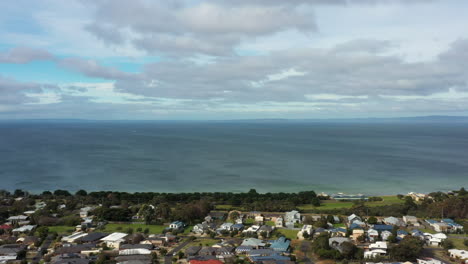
(305, 247)
(45, 245)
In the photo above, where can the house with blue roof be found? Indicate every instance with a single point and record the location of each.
(401, 234)
(281, 244)
(381, 228)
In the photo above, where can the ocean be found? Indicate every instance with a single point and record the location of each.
(373, 158)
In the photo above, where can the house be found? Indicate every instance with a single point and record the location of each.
(92, 237)
(70, 258)
(202, 228)
(381, 228)
(155, 241)
(24, 229)
(452, 226)
(417, 233)
(393, 221)
(279, 222)
(429, 261)
(17, 219)
(238, 227)
(410, 220)
(353, 218)
(10, 252)
(244, 249)
(357, 233)
(291, 218)
(225, 227)
(114, 240)
(251, 229)
(211, 261)
(385, 234)
(372, 235)
(376, 249)
(459, 254)
(192, 251)
(265, 230)
(440, 227)
(338, 232)
(253, 242)
(176, 225)
(73, 237)
(135, 251)
(435, 239)
(417, 196)
(259, 219)
(401, 234)
(335, 242)
(309, 229)
(281, 244)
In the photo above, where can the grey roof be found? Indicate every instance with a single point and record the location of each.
(135, 246)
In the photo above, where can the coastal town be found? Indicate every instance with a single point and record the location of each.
(62, 228)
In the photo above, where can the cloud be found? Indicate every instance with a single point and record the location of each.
(13, 92)
(91, 68)
(205, 28)
(21, 55)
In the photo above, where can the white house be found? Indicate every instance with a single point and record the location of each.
(292, 218)
(435, 239)
(279, 222)
(372, 235)
(429, 261)
(114, 240)
(73, 237)
(385, 234)
(253, 229)
(410, 220)
(176, 225)
(135, 251)
(459, 254)
(378, 248)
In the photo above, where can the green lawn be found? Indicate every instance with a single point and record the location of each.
(339, 225)
(288, 233)
(249, 221)
(331, 204)
(458, 243)
(270, 223)
(188, 229)
(153, 229)
(204, 242)
(62, 230)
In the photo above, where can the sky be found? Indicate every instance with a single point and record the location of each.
(224, 59)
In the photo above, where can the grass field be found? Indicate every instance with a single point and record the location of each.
(153, 229)
(288, 233)
(62, 230)
(270, 223)
(458, 243)
(331, 204)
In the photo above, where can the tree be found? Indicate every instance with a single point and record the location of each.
(181, 255)
(163, 251)
(447, 244)
(315, 201)
(61, 193)
(81, 193)
(408, 249)
(372, 220)
(42, 231)
(348, 250)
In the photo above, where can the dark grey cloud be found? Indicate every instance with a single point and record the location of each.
(13, 92)
(23, 55)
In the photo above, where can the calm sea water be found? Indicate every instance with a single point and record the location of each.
(373, 158)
